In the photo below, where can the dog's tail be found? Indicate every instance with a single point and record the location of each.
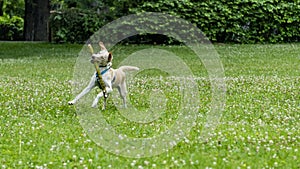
(128, 68)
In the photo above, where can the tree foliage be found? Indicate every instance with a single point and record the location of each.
(12, 8)
(243, 21)
(11, 19)
(239, 21)
(11, 28)
(74, 25)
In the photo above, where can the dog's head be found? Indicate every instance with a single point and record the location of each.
(102, 58)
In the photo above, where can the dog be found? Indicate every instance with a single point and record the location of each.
(113, 78)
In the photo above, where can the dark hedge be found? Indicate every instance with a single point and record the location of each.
(239, 21)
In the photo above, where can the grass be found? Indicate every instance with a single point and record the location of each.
(259, 127)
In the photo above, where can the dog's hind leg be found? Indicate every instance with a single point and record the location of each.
(123, 92)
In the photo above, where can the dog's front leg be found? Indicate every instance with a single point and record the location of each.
(95, 102)
(90, 86)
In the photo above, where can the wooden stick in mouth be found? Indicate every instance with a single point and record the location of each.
(100, 81)
(91, 48)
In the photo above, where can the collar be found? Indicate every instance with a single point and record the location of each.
(104, 71)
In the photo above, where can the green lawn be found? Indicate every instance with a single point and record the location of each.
(259, 127)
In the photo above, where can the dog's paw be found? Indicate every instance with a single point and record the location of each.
(94, 105)
(71, 102)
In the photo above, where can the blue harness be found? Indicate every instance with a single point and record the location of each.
(103, 72)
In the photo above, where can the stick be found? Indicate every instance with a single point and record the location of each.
(91, 48)
(102, 85)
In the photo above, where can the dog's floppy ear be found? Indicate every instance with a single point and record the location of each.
(110, 57)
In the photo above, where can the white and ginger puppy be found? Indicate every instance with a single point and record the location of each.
(113, 78)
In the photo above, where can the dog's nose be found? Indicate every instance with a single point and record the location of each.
(93, 57)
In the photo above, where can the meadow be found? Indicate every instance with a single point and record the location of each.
(259, 127)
